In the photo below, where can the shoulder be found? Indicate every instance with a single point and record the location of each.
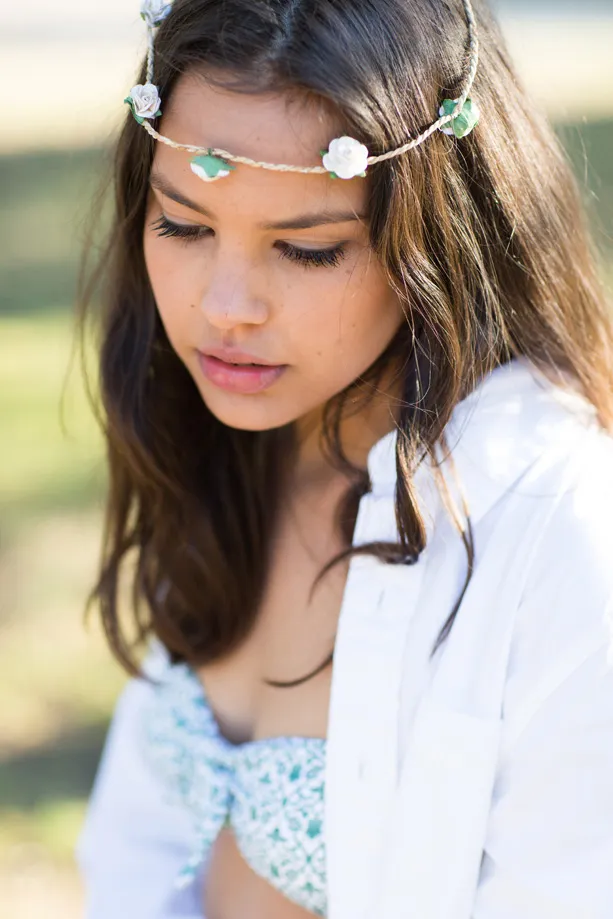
(564, 622)
(495, 436)
(539, 472)
(574, 561)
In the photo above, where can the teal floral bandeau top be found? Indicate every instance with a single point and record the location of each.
(270, 792)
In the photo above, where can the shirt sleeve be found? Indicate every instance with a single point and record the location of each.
(134, 842)
(549, 845)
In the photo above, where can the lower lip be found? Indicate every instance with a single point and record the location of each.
(242, 378)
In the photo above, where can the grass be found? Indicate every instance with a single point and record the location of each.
(45, 213)
(58, 682)
(45, 467)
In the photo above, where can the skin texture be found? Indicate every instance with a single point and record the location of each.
(234, 287)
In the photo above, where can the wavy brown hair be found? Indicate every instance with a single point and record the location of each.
(483, 239)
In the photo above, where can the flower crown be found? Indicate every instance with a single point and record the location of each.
(345, 157)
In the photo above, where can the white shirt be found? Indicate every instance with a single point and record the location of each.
(473, 784)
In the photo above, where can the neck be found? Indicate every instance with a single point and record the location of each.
(358, 434)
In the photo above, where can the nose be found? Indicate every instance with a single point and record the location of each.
(230, 298)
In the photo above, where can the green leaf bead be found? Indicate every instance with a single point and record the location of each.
(463, 123)
(212, 165)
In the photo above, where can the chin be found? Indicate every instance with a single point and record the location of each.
(249, 413)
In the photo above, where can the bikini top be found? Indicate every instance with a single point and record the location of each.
(270, 792)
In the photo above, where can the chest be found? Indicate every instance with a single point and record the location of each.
(294, 633)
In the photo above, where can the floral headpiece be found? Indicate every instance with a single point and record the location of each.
(345, 157)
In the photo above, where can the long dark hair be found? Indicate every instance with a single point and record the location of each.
(483, 239)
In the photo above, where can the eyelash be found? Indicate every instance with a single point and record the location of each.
(307, 257)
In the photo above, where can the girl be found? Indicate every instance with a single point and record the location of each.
(357, 383)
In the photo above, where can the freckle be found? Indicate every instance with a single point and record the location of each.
(192, 306)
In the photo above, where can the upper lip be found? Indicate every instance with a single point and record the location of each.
(232, 356)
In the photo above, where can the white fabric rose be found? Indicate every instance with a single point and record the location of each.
(346, 158)
(145, 101)
(155, 11)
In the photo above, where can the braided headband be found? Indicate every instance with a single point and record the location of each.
(345, 158)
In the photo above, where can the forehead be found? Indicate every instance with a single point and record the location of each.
(271, 127)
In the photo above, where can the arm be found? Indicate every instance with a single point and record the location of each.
(134, 843)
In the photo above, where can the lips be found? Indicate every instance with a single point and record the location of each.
(236, 357)
(246, 378)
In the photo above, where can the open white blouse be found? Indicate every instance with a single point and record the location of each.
(474, 784)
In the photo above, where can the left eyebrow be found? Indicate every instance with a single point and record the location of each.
(304, 222)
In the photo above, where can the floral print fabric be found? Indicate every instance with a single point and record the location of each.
(270, 792)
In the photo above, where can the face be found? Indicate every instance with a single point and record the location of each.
(276, 266)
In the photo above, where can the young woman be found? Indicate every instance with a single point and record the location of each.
(357, 384)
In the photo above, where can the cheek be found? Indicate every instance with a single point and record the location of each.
(348, 322)
(172, 280)
(165, 264)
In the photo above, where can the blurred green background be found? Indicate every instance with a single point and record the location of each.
(57, 681)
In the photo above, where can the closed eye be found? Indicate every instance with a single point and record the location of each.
(164, 227)
(307, 257)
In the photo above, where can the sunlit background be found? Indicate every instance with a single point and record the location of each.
(65, 67)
